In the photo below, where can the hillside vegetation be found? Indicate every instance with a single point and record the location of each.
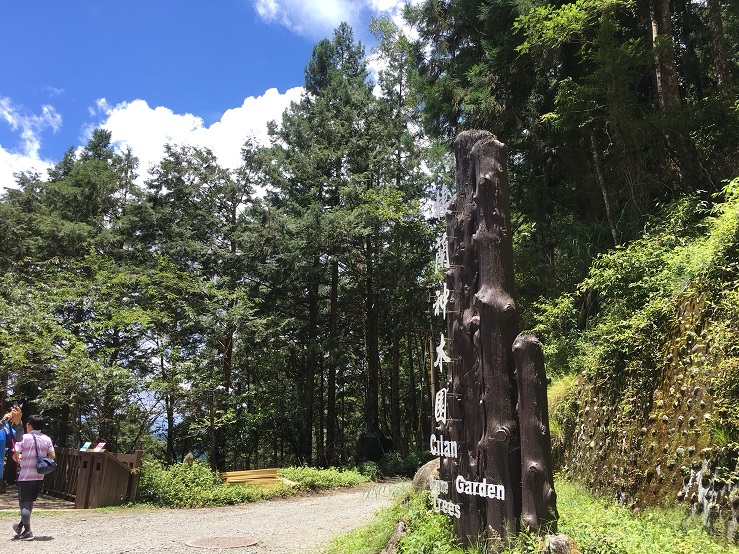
(653, 414)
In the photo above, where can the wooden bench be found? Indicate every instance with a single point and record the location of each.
(263, 478)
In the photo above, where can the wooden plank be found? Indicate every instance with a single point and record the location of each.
(251, 473)
(255, 477)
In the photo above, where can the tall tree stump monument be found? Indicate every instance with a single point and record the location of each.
(493, 428)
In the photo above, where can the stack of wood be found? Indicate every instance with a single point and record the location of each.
(262, 478)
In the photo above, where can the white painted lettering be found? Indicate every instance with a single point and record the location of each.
(479, 488)
(446, 507)
(441, 447)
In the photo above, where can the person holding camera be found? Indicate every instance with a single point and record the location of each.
(34, 445)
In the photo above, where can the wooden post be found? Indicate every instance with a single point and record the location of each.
(465, 424)
(480, 432)
(495, 304)
(539, 501)
(482, 327)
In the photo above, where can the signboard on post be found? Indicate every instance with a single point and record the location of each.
(487, 404)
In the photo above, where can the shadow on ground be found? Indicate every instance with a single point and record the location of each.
(9, 501)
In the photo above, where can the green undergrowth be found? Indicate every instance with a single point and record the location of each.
(311, 478)
(562, 398)
(597, 526)
(194, 485)
(428, 528)
(602, 527)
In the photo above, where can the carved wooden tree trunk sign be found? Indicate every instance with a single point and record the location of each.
(493, 421)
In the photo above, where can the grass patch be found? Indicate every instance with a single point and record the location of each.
(603, 527)
(194, 485)
(311, 478)
(597, 527)
(431, 532)
(562, 401)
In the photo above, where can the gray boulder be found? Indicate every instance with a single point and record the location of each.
(429, 469)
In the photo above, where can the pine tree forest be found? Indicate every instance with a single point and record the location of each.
(272, 314)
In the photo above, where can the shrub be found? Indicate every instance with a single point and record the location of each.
(414, 460)
(370, 470)
(562, 400)
(393, 464)
(310, 478)
(194, 485)
(428, 531)
(189, 485)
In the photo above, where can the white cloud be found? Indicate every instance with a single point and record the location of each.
(29, 127)
(13, 162)
(391, 7)
(146, 130)
(318, 18)
(314, 18)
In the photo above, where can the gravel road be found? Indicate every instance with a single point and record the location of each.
(300, 524)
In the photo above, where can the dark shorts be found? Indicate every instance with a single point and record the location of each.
(28, 491)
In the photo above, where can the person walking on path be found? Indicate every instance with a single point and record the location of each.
(33, 445)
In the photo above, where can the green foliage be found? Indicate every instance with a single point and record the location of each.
(195, 485)
(428, 532)
(562, 402)
(310, 478)
(370, 470)
(393, 464)
(556, 328)
(190, 485)
(597, 526)
(634, 287)
(548, 26)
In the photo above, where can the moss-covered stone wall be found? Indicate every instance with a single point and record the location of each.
(660, 446)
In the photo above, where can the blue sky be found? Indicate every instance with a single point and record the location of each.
(201, 72)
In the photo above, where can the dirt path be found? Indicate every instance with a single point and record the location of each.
(282, 526)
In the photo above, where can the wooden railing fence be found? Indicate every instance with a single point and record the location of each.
(94, 479)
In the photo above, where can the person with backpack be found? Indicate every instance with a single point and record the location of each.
(33, 446)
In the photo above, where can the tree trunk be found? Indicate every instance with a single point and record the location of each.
(306, 438)
(371, 412)
(220, 431)
(321, 417)
(415, 422)
(602, 182)
(716, 36)
(538, 499)
(665, 70)
(169, 404)
(693, 175)
(395, 419)
(331, 418)
(481, 330)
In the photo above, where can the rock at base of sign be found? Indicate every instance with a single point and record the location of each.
(559, 544)
(429, 469)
